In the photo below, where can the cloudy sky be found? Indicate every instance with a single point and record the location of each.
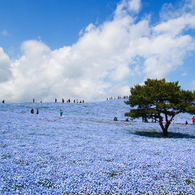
(91, 50)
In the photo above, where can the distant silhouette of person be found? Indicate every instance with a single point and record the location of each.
(32, 111)
(172, 121)
(37, 111)
(186, 123)
(3, 101)
(115, 119)
(61, 112)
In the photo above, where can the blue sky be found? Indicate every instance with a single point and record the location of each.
(56, 23)
(93, 49)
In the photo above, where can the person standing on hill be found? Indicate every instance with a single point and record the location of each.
(61, 112)
(193, 120)
(32, 111)
(37, 111)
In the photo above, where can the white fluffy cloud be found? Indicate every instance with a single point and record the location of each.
(5, 72)
(134, 5)
(103, 60)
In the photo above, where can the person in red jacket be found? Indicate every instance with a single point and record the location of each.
(193, 120)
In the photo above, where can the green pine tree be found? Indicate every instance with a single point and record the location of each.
(157, 99)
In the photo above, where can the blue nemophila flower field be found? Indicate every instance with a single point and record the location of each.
(86, 152)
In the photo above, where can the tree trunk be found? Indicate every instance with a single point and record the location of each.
(164, 128)
(165, 133)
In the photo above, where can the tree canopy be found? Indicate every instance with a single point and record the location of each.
(158, 98)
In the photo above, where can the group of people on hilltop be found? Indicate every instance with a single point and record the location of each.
(119, 97)
(79, 102)
(68, 101)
